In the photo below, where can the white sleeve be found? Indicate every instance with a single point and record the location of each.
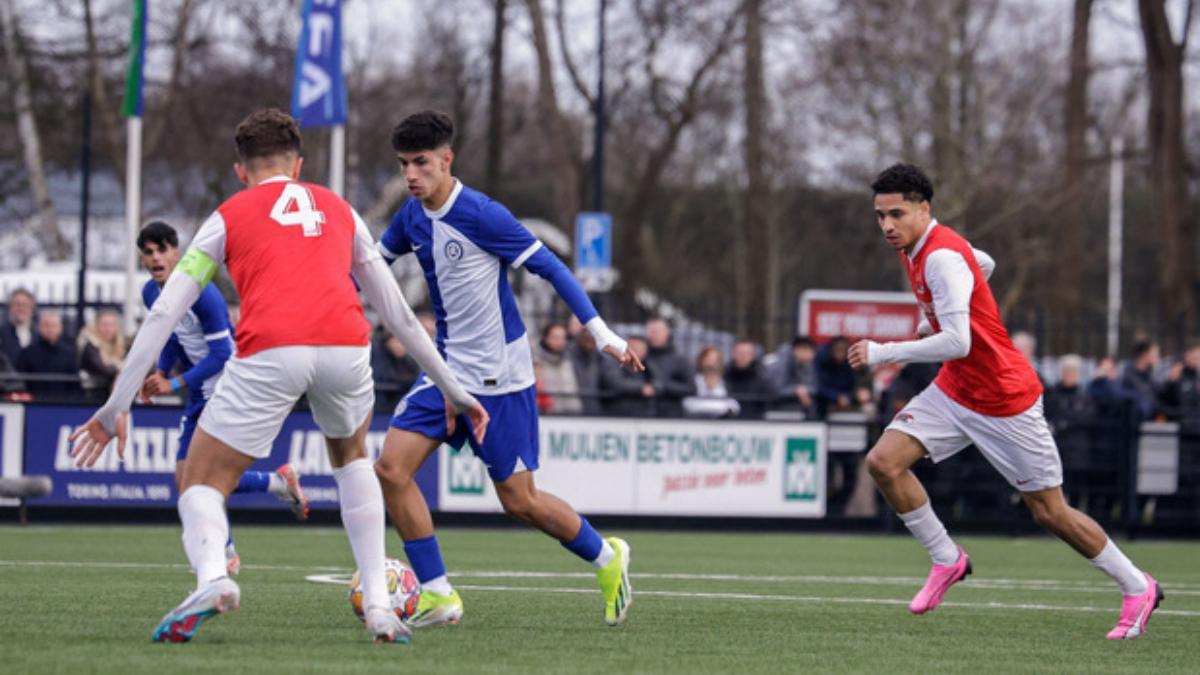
(951, 283)
(178, 295)
(987, 264)
(210, 238)
(383, 293)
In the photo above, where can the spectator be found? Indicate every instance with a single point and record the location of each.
(747, 382)
(101, 351)
(1181, 396)
(670, 374)
(1106, 382)
(837, 388)
(795, 378)
(912, 379)
(49, 353)
(17, 333)
(1138, 377)
(586, 362)
(391, 364)
(712, 398)
(1027, 345)
(1068, 404)
(625, 393)
(557, 372)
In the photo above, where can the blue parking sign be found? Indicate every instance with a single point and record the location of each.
(593, 241)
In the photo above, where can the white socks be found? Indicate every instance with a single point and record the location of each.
(277, 486)
(606, 555)
(1115, 564)
(205, 531)
(362, 516)
(925, 526)
(440, 585)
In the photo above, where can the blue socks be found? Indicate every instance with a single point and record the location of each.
(254, 481)
(587, 544)
(425, 558)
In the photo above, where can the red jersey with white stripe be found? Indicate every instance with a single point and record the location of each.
(994, 378)
(288, 248)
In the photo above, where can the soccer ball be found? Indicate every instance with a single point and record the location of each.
(402, 586)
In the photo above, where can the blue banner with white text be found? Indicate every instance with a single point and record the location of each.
(147, 475)
(319, 90)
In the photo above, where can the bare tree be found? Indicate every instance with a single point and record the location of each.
(1177, 273)
(1073, 217)
(53, 242)
(756, 301)
(495, 133)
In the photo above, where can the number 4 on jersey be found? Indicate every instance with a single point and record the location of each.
(295, 207)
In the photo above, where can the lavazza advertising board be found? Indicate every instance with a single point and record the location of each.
(662, 467)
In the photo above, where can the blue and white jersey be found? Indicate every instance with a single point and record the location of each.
(202, 340)
(465, 249)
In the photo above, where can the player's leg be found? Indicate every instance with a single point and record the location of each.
(922, 428)
(522, 500)
(417, 429)
(210, 474)
(187, 429)
(1023, 450)
(342, 396)
(282, 483)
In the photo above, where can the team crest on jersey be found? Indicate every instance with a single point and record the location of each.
(454, 250)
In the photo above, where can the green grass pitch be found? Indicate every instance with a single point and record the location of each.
(85, 599)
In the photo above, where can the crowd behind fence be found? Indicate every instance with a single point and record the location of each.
(1098, 408)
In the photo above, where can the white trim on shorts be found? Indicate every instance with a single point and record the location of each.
(255, 394)
(1020, 447)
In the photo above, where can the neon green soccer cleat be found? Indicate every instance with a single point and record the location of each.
(435, 608)
(614, 583)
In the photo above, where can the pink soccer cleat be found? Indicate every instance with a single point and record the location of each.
(1136, 611)
(293, 494)
(941, 578)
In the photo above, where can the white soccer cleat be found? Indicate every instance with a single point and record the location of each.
(292, 494)
(219, 596)
(384, 626)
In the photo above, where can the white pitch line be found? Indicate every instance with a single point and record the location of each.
(817, 599)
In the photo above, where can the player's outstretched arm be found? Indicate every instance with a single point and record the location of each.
(180, 291)
(383, 293)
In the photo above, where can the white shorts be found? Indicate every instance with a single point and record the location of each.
(255, 394)
(1021, 447)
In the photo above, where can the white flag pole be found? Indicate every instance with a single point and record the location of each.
(133, 216)
(337, 160)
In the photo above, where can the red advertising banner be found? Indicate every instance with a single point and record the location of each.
(877, 315)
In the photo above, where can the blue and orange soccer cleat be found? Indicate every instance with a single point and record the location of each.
(218, 596)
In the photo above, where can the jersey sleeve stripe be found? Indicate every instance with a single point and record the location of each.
(217, 336)
(526, 253)
(197, 265)
(388, 254)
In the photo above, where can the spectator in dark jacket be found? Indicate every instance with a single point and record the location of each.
(1138, 377)
(670, 372)
(836, 382)
(18, 331)
(795, 378)
(625, 393)
(586, 361)
(1181, 396)
(49, 353)
(392, 366)
(1068, 404)
(746, 381)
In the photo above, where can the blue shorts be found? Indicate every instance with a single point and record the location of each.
(511, 443)
(187, 427)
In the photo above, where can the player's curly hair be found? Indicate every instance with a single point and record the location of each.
(159, 233)
(906, 179)
(426, 130)
(267, 133)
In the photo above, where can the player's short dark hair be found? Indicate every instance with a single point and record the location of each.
(267, 133)
(426, 130)
(906, 179)
(157, 232)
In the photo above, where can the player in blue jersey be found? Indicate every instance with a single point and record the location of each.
(466, 243)
(200, 345)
